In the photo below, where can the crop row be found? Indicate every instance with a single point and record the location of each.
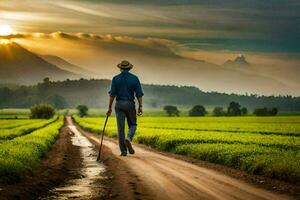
(22, 155)
(270, 162)
(10, 133)
(267, 129)
(167, 139)
(287, 126)
(11, 123)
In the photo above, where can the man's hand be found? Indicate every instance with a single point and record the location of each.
(111, 100)
(140, 111)
(108, 113)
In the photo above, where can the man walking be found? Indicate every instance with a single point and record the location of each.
(124, 87)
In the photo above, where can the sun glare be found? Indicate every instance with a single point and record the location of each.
(5, 30)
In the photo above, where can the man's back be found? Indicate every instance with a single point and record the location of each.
(125, 85)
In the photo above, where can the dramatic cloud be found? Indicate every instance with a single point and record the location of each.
(249, 25)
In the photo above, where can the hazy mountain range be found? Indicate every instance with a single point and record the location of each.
(65, 65)
(18, 65)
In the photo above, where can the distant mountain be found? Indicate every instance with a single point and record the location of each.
(18, 65)
(65, 65)
(238, 61)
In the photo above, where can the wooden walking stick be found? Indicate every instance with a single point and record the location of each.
(100, 148)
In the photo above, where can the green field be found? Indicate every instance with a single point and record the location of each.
(10, 129)
(268, 146)
(23, 113)
(23, 142)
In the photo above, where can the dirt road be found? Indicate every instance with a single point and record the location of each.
(150, 175)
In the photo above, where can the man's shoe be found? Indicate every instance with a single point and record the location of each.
(123, 154)
(129, 146)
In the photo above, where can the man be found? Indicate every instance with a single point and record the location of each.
(124, 87)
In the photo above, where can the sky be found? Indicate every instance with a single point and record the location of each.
(188, 34)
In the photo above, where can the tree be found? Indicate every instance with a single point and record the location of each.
(261, 111)
(244, 111)
(46, 80)
(42, 111)
(171, 110)
(219, 111)
(273, 111)
(82, 109)
(5, 96)
(43, 88)
(265, 112)
(198, 110)
(57, 101)
(234, 109)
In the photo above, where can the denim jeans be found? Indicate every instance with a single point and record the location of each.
(125, 109)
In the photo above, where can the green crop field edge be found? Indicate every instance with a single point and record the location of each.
(285, 126)
(22, 155)
(270, 162)
(8, 134)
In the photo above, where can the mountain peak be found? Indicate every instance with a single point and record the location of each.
(239, 60)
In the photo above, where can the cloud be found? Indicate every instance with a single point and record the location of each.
(16, 35)
(276, 21)
(161, 47)
(64, 36)
(165, 47)
(84, 10)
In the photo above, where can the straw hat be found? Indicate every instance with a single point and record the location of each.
(125, 65)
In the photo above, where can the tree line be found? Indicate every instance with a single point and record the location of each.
(93, 93)
(233, 109)
(46, 111)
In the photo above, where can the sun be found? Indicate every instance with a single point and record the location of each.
(5, 30)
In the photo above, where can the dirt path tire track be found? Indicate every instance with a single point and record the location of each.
(122, 183)
(156, 176)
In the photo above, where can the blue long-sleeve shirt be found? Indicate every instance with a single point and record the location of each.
(124, 86)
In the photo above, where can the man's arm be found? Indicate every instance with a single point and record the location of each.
(111, 100)
(139, 95)
(140, 109)
(112, 95)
